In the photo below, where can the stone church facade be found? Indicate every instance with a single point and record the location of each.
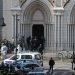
(52, 19)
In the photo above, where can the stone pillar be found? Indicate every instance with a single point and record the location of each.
(59, 33)
(16, 12)
(14, 27)
(68, 35)
(58, 13)
(23, 29)
(47, 34)
(70, 32)
(55, 33)
(72, 35)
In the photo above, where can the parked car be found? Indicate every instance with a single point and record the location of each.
(9, 60)
(28, 56)
(37, 71)
(22, 64)
(24, 67)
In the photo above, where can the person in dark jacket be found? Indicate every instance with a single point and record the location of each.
(28, 41)
(51, 64)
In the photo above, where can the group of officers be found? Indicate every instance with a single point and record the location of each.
(35, 43)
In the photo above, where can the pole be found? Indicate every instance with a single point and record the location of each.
(16, 37)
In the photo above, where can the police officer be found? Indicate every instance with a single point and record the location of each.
(19, 49)
(4, 50)
(51, 64)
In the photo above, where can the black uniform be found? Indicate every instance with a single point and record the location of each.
(51, 64)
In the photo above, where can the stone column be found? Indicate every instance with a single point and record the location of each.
(72, 36)
(58, 13)
(20, 29)
(23, 29)
(68, 35)
(59, 32)
(47, 34)
(14, 27)
(16, 12)
(70, 29)
(55, 33)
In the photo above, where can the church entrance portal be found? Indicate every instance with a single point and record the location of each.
(38, 31)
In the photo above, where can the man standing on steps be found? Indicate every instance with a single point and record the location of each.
(51, 65)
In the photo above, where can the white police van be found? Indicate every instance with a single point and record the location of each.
(28, 56)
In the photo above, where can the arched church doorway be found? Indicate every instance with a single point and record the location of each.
(40, 17)
(38, 31)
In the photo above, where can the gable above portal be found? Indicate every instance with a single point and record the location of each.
(57, 3)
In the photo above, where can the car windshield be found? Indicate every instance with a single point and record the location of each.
(13, 57)
(26, 57)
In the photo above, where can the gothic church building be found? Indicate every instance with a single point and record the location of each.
(52, 19)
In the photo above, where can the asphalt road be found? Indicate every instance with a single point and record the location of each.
(60, 68)
(62, 72)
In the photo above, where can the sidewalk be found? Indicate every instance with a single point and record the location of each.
(64, 64)
(59, 64)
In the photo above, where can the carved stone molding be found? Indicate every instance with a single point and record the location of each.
(65, 2)
(21, 2)
(54, 2)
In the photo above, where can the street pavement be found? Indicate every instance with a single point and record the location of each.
(59, 64)
(61, 67)
(61, 72)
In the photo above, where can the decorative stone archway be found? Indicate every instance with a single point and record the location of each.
(40, 10)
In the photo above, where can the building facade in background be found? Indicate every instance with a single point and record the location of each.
(52, 19)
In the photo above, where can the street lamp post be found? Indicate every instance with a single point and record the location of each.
(2, 24)
(16, 39)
